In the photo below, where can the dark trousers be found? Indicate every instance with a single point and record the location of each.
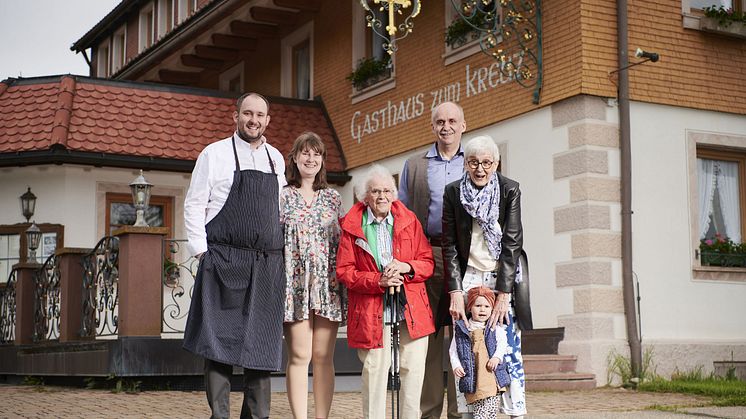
(256, 391)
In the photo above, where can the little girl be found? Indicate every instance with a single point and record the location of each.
(475, 354)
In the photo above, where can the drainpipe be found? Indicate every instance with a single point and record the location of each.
(626, 167)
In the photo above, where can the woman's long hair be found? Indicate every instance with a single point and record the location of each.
(311, 141)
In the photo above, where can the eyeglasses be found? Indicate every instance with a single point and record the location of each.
(474, 164)
(377, 192)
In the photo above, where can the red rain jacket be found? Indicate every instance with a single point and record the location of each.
(357, 269)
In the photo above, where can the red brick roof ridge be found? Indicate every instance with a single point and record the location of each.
(61, 124)
(133, 124)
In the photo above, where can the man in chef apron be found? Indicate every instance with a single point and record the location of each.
(232, 220)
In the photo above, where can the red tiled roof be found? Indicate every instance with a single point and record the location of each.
(140, 120)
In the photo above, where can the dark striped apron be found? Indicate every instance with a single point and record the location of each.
(238, 301)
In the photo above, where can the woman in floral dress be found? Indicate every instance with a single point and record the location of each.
(315, 303)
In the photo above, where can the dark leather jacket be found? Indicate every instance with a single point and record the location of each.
(457, 244)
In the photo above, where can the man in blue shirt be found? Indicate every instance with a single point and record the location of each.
(421, 185)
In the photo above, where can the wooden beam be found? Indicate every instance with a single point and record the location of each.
(276, 16)
(215, 53)
(233, 42)
(305, 5)
(178, 77)
(190, 60)
(253, 30)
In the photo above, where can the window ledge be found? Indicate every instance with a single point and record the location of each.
(453, 55)
(370, 91)
(717, 273)
(709, 24)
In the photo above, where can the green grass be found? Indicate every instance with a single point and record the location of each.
(725, 391)
(621, 366)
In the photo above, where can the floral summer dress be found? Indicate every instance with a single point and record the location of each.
(311, 241)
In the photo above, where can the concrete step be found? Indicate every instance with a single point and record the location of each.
(546, 364)
(564, 381)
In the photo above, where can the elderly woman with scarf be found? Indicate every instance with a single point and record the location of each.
(483, 246)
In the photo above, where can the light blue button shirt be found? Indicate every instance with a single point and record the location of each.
(440, 172)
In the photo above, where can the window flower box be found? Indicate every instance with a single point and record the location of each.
(731, 260)
(721, 251)
(370, 71)
(460, 33)
(711, 24)
(723, 21)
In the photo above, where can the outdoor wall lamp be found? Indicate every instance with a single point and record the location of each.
(651, 56)
(140, 198)
(33, 237)
(639, 53)
(28, 204)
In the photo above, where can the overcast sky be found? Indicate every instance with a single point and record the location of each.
(36, 35)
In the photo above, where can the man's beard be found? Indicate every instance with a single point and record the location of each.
(244, 135)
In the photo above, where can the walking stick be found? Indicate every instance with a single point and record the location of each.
(394, 379)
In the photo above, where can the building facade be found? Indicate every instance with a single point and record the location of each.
(687, 131)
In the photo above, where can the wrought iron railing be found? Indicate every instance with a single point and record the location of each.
(101, 289)
(179, 273)
(47, 300)
(8, 310)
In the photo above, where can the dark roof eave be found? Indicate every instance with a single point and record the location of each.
(118, 13)
(59, 156)
(338, 178)
(169, 42)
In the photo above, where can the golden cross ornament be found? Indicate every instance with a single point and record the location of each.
(394, 7)
(391, 27)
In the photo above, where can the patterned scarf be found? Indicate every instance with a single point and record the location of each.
(484, 206)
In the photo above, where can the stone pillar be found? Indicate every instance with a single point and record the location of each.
(140, 280)
(25, 302)
(71, 292)
(590, 221)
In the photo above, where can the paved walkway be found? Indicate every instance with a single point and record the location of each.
(62, 402)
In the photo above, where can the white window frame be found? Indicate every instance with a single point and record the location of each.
(9, 255)
(691, 14)
(287, 44)
(183, 9)
(103, 60)
(358, 52)
(696, 140)
(225, 77)
(163, 16)
(142, 26)
(118, 49)
(452, 55)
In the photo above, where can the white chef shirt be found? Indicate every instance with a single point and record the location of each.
(212, 179)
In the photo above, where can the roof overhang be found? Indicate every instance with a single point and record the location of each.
(61, 156)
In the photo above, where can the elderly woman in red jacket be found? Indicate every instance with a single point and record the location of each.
(382, 246)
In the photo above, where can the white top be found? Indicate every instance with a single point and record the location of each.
(212, 179)
(500, 351)
(479, 254)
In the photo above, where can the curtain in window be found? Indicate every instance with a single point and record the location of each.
(706, 183)
(700, 4)
(303, 72)
(376, 47)
(729, 197)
